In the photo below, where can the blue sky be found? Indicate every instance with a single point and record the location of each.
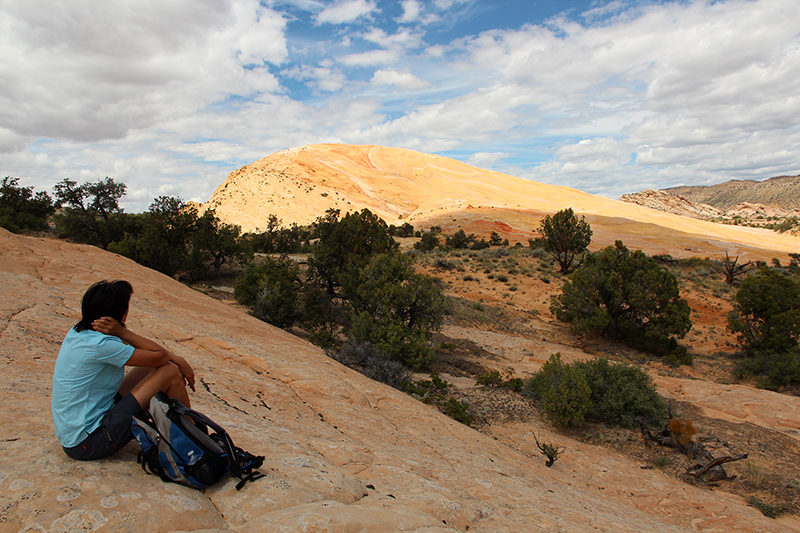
(610, 97)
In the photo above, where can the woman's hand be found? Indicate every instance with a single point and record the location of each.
(108, 326)
(186, 370)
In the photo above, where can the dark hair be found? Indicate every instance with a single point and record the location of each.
(104, 298)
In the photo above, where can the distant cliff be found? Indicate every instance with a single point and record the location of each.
(755, 203)
(780, 192)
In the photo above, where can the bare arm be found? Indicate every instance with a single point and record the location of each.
(146, 352)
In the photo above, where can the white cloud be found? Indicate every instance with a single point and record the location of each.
(87, 72)
(401, 80)
(486, 159)
(411, 11)
(345, 11)
(174, 95)
(322, 77)
(404, 38)
(697, 83)
(370, 57)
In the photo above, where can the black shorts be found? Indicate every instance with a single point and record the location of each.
(114, 431)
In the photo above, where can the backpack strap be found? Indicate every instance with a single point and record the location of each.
(241, 464)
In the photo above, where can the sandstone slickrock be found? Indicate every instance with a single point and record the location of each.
(343, 453)
(404, 186)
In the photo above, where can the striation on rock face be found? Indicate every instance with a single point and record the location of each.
(781, 191)
(757, 214)
(402, 186)
(343, 453)
(677, 205)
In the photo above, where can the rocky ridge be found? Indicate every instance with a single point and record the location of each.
(343, 453)
(300, 184)
(751, 202)
(781, 191)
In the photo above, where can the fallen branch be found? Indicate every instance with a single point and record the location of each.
(551, 451)
(699, 470)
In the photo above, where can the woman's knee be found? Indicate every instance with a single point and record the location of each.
(171, 373)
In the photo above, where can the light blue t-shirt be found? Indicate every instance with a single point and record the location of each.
(87, 375)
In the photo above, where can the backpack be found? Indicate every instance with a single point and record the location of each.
(184, 446)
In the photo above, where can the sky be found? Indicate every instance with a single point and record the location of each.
(605, 96)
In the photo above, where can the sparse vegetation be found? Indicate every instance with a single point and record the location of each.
(372, 362)
(755, 473)
(562, 391)
(21, 209)
(626, 296)
(767, 509)
(564, 237)
(615, 394)
(766, 319)
(549, 450)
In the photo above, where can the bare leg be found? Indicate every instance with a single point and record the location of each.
(167, 378)
(132, 378)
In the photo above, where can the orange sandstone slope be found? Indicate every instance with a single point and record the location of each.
(342, 453)
(300, 184)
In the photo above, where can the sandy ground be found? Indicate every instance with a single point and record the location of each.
(513, 331)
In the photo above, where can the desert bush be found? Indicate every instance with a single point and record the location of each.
(460, 240)
(549, 450)
(562, 391)
(755, 473)
(21, 209)
(272, 290)
(372, 362)
(395, 308)
(458, 411)
(682, 432)
(767, 509)
(444, 264)
(661, 461)
(489, 379)
(427, 242)
(564, 237)
(614, 394)
(622, 394)
(766, 317)
(425, 390)
(628, 297)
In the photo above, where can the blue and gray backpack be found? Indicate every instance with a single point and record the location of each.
(184, 446)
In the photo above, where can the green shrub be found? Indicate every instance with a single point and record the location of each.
(766, 317)
(622, 395)
(427, 390)
(767, 509)
(444, 264)
(372, 362)
(626, 296)
(21, 209)
(272, 290)
(563, 392)
(489, 379)
(457, 411)
(615, 394)
(427, 242)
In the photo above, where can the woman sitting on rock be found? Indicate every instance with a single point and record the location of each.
(94, 398)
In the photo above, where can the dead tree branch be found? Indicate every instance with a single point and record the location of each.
(551, 451)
